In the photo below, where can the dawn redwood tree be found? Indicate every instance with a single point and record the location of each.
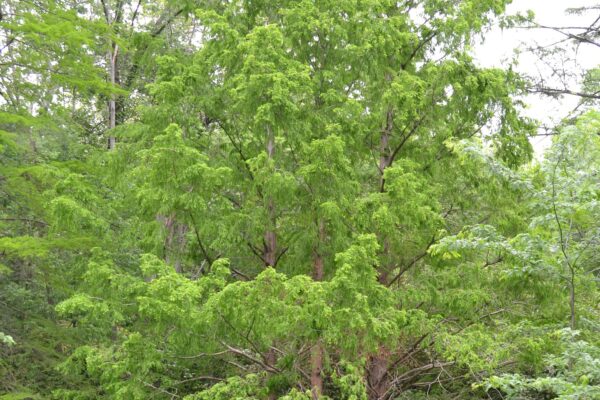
(294, 130)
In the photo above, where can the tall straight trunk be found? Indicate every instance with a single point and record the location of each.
(318, 262)
(384, 147)
(385, 159)
(316, 366)
(384, 162)
(270, 239)
(112, 107)
(114, 22)
(376, 374)
(174, 244)
(317, 352)
(384, 270)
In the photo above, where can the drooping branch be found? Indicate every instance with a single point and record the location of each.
(557, 92)
(416, 372)
(250, 358)
(160, 25)
(582, 37)
(413, 261)
(135, 12)
(200, 244)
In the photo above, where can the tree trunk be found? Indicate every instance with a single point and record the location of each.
(377, 378)
(112, 66)
(384, 162)
(112, 108)
(316, 365)
(385, 155)
(384, 269)
(175, 241)
(271, 359)
(270, 245)
(318, 263)
(377, 367)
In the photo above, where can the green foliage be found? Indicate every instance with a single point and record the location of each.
(307, 200)
(571, 372)
(234, 388)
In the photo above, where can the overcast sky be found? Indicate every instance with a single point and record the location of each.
(499, 46)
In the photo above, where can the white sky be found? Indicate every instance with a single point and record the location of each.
(499, 46)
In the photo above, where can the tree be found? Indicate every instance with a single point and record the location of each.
(566, 209)
(280, 115)
(569, 202)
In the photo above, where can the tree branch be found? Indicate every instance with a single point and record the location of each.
(557, 92)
